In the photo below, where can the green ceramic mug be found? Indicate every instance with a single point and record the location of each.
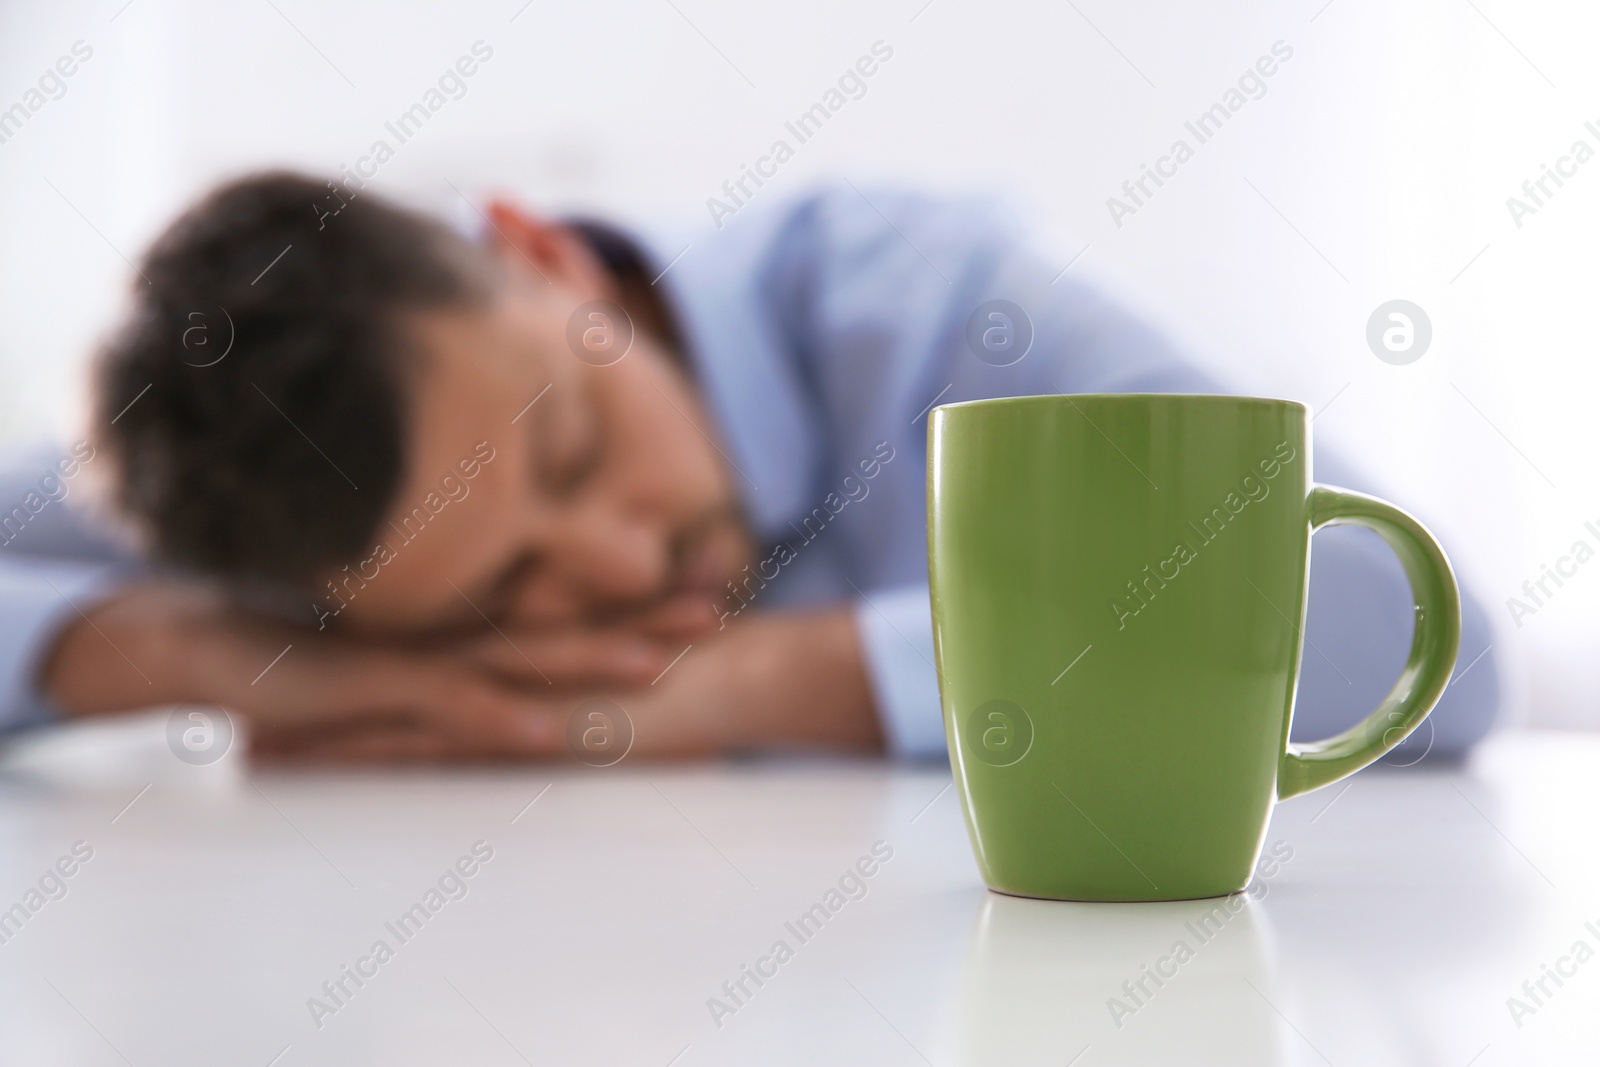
(1119, 585)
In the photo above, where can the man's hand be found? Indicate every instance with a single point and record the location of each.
(781, 680)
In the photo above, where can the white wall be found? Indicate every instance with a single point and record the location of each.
(1390, 141)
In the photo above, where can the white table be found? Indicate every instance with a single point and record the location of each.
(616, 905)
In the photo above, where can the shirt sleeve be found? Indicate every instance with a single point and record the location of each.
(1360, 605)
(896, 629)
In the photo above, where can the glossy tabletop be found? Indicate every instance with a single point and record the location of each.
(634, 915)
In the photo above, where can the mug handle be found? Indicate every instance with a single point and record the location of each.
(1435, 640)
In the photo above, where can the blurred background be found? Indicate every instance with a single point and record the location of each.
(1376, 166)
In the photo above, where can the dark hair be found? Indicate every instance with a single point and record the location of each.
(277, 460)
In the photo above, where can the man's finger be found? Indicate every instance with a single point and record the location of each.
(571, 657)
(375, 745)
(320, 701)
(683, 616)
(463, 707)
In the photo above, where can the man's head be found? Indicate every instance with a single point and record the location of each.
(367, 408)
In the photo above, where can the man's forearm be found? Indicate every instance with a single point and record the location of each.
(127, 652)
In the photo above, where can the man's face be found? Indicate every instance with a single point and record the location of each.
(603, 498)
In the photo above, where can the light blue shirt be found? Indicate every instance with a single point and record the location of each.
(821, 331)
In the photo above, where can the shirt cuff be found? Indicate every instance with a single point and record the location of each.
(37, 598)
(896, 628)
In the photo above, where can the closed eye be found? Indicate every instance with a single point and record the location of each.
(499, 594)
(574, 446)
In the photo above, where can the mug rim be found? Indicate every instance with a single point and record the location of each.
(1034, 398)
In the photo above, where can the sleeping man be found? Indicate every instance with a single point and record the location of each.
(394, 494)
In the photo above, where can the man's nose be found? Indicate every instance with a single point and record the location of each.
(607, 556)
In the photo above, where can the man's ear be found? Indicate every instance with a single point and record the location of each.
(549, 250)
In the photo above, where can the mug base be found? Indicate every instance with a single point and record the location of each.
(1118, 900)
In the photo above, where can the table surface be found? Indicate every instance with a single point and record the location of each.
(614, 904)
